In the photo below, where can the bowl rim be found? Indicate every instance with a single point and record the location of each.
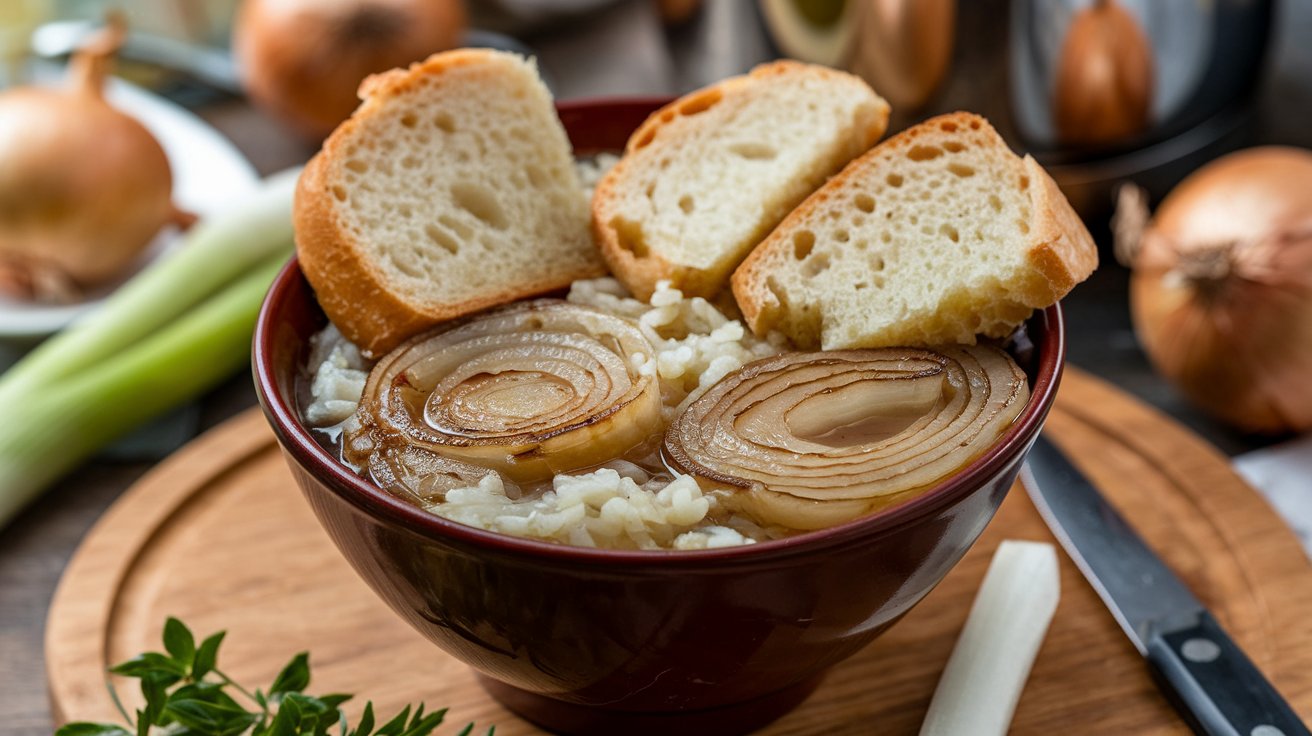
(375, 502)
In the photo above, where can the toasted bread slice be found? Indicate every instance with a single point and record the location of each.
(706, 177)
(937, 235)
(451, 189)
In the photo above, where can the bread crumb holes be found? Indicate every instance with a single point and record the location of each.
(754, 151)
(924, 153)
(803, 242)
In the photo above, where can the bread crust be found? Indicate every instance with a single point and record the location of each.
(353, 290)
(641, 271)
(1059, 247)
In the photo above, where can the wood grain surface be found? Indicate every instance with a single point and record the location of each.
(220, 537)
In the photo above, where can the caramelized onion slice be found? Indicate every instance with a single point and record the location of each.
(529, 390)
(807, 440)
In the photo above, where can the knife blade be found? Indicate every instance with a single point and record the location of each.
(1204, 673)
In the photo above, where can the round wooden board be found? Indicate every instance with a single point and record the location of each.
(219, 536)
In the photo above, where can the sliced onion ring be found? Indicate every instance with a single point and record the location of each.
(808, 440)
(529, 390)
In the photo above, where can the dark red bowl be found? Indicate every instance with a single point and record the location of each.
(600, 641)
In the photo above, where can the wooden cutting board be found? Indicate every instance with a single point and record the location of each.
(219, 536)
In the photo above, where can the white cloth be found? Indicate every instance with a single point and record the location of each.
(1283, 474)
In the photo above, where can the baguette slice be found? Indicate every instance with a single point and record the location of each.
(451, 189)
(936, 235)
(706, 177)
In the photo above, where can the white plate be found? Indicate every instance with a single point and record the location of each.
(208, 172)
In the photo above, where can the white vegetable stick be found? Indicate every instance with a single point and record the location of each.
(978, 691)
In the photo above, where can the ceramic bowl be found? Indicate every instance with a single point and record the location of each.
(601, 641)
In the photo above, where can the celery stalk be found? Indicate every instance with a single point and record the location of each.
(982, 682)
(216, 251)
(61, 425)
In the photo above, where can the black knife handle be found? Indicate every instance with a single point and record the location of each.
(1215, 686)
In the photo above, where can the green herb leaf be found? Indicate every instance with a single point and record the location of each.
(396, 726)
(206, 692)
(179, 642)
(207, 656)
(423, 725)
(180, 701)
(336, 699)
(294, 678)
(366, 725)
(288, 720)
(83, 728)
(154, 688)
(211, 718)
(150, 663)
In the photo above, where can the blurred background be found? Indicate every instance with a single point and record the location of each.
(1101, 92)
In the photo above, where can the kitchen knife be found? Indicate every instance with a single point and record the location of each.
(1208, 678)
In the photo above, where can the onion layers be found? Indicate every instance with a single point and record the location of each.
(528, 391)
(807, 440)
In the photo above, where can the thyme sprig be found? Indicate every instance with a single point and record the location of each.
(186, 694)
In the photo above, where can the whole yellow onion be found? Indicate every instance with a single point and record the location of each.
(1104, 80)
(83, 187)
(303, 60)
(1221, 292)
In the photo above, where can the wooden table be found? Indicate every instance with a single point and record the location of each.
(35, 547)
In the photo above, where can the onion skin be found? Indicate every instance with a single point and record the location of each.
(304, 60)
(901, 419)
(1221, 293)
(903, 47)
(83, 187)
(678, 12)
(528, 391)
(1104, 79)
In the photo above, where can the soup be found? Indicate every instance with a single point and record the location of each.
(487, 421)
